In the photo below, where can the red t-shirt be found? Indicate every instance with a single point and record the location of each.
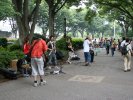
(39, 48)
(26, 48)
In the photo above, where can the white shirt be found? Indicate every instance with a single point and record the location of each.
(86, 45)
(123, 42)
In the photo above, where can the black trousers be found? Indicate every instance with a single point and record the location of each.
(107, 50)
(92, 57)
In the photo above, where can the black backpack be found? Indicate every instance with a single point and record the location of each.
(124, 50)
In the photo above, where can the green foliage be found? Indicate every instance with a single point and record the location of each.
(3, 42)
(14, 47)
(61, 44)
(90, 15)
(6, 9)
(43, 17)
(77, 43)
(130, 34)
(6, 57)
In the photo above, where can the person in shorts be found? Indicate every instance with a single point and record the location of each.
(37, 61)
(127, 57)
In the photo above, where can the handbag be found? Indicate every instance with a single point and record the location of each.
(91, 52)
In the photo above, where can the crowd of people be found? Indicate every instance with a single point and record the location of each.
(34, 53)
(124, 45)
(40, 53)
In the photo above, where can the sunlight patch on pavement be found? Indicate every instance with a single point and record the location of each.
(85, 78)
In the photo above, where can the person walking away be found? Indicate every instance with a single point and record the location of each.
(70, 50)
(94, 43)
(127, 56)
(107, 45)
(37, 62)
(86, 49)
(122, 44)
(92, 54)
(113, 47)
(119, 44)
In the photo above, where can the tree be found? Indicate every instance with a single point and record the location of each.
(27, 16)
(42, 20)
(120, 5)
(6, 9)
(54, 7)
(119, 10)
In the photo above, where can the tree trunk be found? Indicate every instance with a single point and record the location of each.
(23, 21)
(21, 30)
(74, 33)
(44, 31)
(51, 21)
(81, 33)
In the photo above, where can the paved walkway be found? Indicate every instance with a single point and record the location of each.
(103, 80)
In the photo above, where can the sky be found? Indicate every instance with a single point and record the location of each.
(5, 26)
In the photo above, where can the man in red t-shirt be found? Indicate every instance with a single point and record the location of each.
(37, 62)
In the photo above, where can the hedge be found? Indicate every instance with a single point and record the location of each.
(6, 56)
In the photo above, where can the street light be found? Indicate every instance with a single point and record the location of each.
(114, 29)
(64, 27)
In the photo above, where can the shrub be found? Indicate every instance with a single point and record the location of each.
(61, 44)
(14, 47)
(3, 42)
(6, 57)
(77, 43)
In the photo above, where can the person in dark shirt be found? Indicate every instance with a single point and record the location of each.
(70, 50)
(52, 53)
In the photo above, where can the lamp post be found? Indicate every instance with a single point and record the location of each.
(64, 27)
(114, 29)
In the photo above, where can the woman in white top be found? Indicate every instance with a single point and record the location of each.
(127, 57)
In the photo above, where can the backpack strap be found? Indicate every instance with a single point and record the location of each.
(32, 48)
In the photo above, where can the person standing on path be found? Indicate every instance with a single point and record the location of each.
(52, 59)
(122, 43)
(127, 57)
(107, 45)
(113, 47)
(86, 49)
(37, 61)
(70, 50)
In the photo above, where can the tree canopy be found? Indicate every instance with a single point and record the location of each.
(6, 9)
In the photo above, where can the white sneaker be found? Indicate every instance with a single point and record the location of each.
(68, 62)
(43, 82)
(56, 72)
(35, 84)
(49, 67)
